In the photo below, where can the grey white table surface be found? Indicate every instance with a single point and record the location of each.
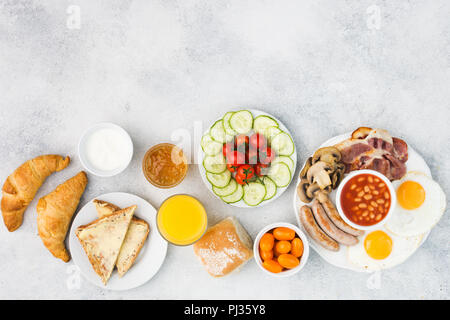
(155, 67)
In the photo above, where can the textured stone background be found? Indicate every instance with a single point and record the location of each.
(321, 67)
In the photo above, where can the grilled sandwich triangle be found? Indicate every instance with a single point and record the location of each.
(103, 238)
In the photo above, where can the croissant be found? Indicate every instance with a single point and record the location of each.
(55, 212)
(21, 186)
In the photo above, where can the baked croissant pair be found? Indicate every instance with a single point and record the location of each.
(55, 210)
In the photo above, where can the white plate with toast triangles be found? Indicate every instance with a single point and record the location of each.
(150, 257)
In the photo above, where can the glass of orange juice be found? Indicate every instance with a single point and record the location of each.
(181, 220)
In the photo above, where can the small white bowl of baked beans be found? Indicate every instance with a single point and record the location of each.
(365, 199)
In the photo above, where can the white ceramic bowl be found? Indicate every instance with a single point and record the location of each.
(303, 259)
(83, 156)
(391, 190)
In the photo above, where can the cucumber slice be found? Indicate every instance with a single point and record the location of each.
(235, 196)
(226, 191)
(215, 164)
(241, 121)
(219, 180)
(209, 146)
(282, 144)
(271, 132)
(217, 132)
(262, 122)
(271, 188)
(254, 193)
(226, 124)
(287, 160)
(229, 137)
(280, 174)
(206, 139)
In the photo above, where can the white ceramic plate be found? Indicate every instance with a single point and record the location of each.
(339, 258)
(241, 203)
(150, 257)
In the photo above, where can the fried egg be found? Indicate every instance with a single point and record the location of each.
(381, 249)
(420, 204)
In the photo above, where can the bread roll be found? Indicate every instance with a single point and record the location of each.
(224, 248)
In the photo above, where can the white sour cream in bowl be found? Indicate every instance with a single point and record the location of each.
(105, 149)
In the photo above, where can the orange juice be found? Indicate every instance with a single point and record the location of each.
(181, 219)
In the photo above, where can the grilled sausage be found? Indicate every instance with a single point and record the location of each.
(334, 216)
(329, 228)
(314, 231)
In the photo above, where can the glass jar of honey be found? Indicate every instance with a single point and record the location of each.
(164, 165)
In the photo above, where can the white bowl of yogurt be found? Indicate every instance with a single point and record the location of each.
(105, 149)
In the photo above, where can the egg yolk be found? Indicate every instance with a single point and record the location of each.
(378, 245)
(410, 195)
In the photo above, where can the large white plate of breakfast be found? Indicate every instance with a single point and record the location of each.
(115, 242)
(366, 200)
(248, 158)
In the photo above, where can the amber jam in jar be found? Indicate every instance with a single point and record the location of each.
(164, 165)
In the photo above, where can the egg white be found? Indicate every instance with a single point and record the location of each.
(418, 221)
(402, 249)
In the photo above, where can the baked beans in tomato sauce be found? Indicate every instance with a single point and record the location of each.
(365, 199)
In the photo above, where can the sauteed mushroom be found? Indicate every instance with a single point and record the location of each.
(330, 155)
(301, 191)
(312, 190)
(305, 169)
(306, 191)
(320, 173)
(337, 175)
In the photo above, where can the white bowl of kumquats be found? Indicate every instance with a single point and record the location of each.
(281, 249)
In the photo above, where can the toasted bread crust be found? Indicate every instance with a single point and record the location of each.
(98, 262)
(122, 269)
(127, 256)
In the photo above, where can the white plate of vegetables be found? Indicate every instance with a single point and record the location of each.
(248, 158)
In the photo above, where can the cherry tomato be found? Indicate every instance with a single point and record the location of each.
(297, 247)
(261, 169)
(266, 155)
(242, 143)
(272, 266)
(232, 167)
(252, 156)
(227, 148)
(246, 171)
(288, 261)
(283, 246)
(266, 242)
(241, 139)
(283, 233)
(266, 255)
(235, 158)
(241, 180)
(257, 141)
